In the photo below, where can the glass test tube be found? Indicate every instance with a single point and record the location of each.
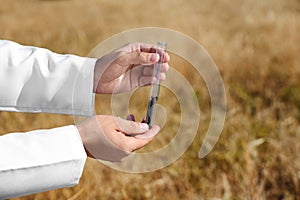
(154, 92)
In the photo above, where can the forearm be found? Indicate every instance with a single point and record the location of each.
(37, 80)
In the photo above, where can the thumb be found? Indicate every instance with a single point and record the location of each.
(131, 127)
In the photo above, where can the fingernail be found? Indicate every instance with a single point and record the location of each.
(149, 134)
(162, 76)
(167, 67)
(144, 126)
(154, 57)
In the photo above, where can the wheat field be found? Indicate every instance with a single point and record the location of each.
(255, 44)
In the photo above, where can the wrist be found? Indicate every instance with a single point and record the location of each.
(97, 73)
(82, 135)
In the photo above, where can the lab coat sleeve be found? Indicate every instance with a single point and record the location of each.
(37, 80)
(40, 160)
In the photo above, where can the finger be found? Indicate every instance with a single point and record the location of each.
(131, 117)
(147, 80)
(138, 58)
(165, 67)
(148, 69)
(166, 58)
(130, 127)
(162, 76)
(148, 48)
(138, 141)
(150, 133)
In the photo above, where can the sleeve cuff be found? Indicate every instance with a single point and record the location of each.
(50, 159)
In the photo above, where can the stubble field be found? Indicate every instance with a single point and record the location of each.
(255, 44)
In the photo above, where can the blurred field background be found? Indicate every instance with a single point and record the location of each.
(255, 44)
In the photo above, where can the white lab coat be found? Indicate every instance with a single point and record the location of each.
(37, 80)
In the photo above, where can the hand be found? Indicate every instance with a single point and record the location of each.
(112, 138)
(128, 67)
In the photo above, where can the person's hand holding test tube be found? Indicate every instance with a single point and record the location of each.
(129, 67)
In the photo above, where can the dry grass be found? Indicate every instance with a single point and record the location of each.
(255, 44)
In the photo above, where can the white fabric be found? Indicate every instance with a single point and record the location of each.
(37, 80)
(40, 160)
